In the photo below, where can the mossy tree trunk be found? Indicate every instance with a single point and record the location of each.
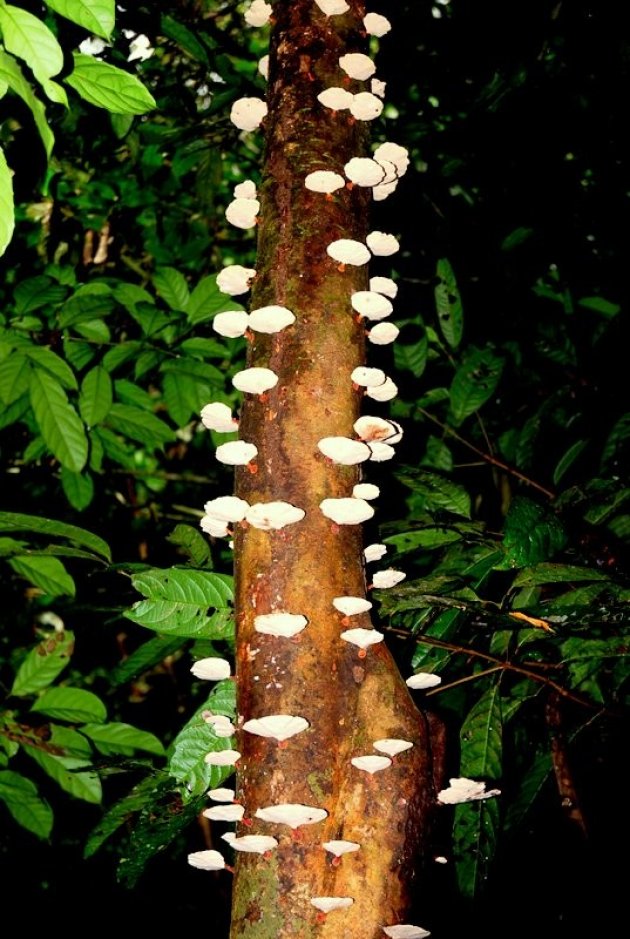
(348, 701)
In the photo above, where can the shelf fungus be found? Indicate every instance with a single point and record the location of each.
(376, 25)
(405, 931)
(218, 417)
(378, 88)
(367, 491)
(251, 844)
(339, 848)
(382, 580)
(381, 452)
(362, 638)
(368, 377)
(276, 726)
(324, 181)
(465, 790)
(348, 251)
(392, 746)
(272, 516)
(383, 334)
(235, 279)
(263, 66)
(258, 13)
(227, 508)
(232, 323)
(281, 624)
(337, 99)
(243, 213)
(332, 7)
(363, 171)
(221, 795)
(384, 392)
(357, 65)
(328, 904)
(221, 725)
(351, 606)
(255, 381)
(371, 428)
(207, 860)
(293, 814)
(224, 813)
(393, 153)
(270, 319)
(248, 113)
(222, 757)
(344, 450)
(370, 305)
(346, 511)
(214, 527)
(371, 764)
(211, 669)
(382, 244)
(374, 552)
(236, 453)
(422, 680)
(365, 106)
(384, 285)
(245, 190)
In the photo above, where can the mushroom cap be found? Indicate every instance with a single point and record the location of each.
(222, 757)
(382, 244)
(226, 508)
(234, 279)
(388, 578)
(263, 66)
(221, 725)
(405, 931)
(362, 637)
(363, 171)
(357, 65)
(348, 511)
(376, 25)
(258, 13)
(365, 491)
(368, 377)
(383, 334)
(255, 380)
(344, 450)
(332, 7)
(207, 860)
(393, 153)
(236, 452)
(383, 190)
(242, 213)
(292, 814)
(347, 251)
(377, 87)
(381, 452)
(270, 319)
(350, 606)
(324, 181)
(392, 745)
(245, 190)
(338, 848)
(337, 99)
(268, 516)
(211, 669)
(384, 285)
(248, 113)
(214, 527)
(371, 764)
(277, 726)
(365, 106)
(221, 795)
(371, 428)
(328, 904)
(252, 844)
(218, 416)
(280, 624)
(231, 323)
(422, 680)
(384, 392)
(462, 789)
(374, 552)
(373, 306)
(224, 813)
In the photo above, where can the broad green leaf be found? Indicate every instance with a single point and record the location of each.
(474, 382)
(69, 773)
(109, 87)
(567, 460)
(412, 357)
(120, 354)
(70, 704)
(185, 38)
(181, 397)
(78, 488)
(96, 396)
(17, 521)
(43, 663)
(11, 74)
(15, 412)
(203, 372)
(178, 600)
(14, 377)
(23, 801)
(437, 455)
(59, 423)
(205, 348)
(196, 738)
(172, 287)
(33, 293)
(47, 573)
(55, 92)
(448, 304)
(139, 425)
(191, 542)
(480, 738)
(7, 208)
(119, 813)
(150, 319)
(122, 738)
(437, 492)
(127, 392)
(600, 305)
(145, 657)
(531, 784)
(422, 538)
(556, 574)
(532, 533)
(206, 300)
(27, 37)
(95, 16)
(49, 361)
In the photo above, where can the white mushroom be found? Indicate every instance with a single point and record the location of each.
(350, 606)
(328, 904)
(346, 511)
(374, 552)
(280, 624)
(337, 99)
(252, 844)
(381, 244)
(332, 7)
(383, 334)
(207, 860)
(293, 814)
(363, 638)
(363, 171)
(373, 306)
(347, 251)
(387, 578)
(393, 153)
(384, 392)
(376, 25)
(368, 377)
(227, 508)
(392, 746)
(258, 13)
(343, 450)
(324, 181)
(245, 190)
(242, 213)
(214, 527)
(371, 764)
(381, 452)
(248, 113)
(384, 285)
(272, 516)
(221, 795)
(405, 931)
(222, 726)
(357, 65)
(276, 726)
(270, 319)
(218, 416)
(365, 491)
(234, 279)
(339, 848)
(383, 190)
(255, 380)
(422, 680)
(371, 428)
(222, 758)
(365, 106)
(465, 790)
(224, 813)
(231, 324)
(211, 669)
(377, 87)
(263, 66)
(236, 453)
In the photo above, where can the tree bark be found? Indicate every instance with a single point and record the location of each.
(348, 701)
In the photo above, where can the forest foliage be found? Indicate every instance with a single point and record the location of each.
(509, 510)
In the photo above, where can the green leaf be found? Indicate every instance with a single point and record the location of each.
(95, 16)
(43, 664)
(139, 425)
(531, 784)
(206, 300)
(23, 801)
(412, 357)
(556, 574)
(17, 521)
(192, 542)
(69, 773)
(7, 208)
(448, 304)
(29, 38)
(11, 74)
(109, 87)
(96, 396)
(600, 305)
(122, 738)
(474, 382)
(178, 600)
(70, 704)
(118, 814)
(15, 412)
(47, 573)
(58, 422)
(52, 363)
(88, 302)
(438, 493)
(14, 377)
(197, 738)
(185, 38)
(181, 397)
(422, 538)
(172, 287)
(34, 293)
(147, 655)
(78, 488)
(532, 533)
(568, 459)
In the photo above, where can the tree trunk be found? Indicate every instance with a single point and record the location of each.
(348, 701)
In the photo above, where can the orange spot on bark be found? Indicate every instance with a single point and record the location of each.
(341, 268)
(362, 653)
(252, 468)
(283, 744)
(350, 186)
(336, 861)
(248, 822)
(321, 917)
